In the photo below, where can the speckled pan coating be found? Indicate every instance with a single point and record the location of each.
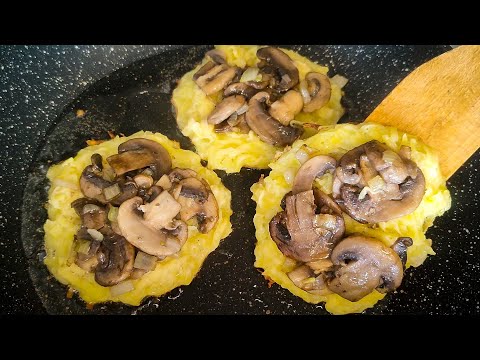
(37, 86)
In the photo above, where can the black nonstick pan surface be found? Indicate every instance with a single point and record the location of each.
(128, 88)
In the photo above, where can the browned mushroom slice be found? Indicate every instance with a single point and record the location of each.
(395, 192)
(283, 67)
(217, 56)
(179, 230)
(178, 174)
(226, 108)
(78, 204)
(325, 203)
(304, 278)
(310, 170)
(243, 89)
(94, 217)
(195, 205)
(319, 91)
(400, 247)
(237, 125)
(392, 168)
(302, 234)
(92, 182)
(88, 261)
(204, 70)
(285, 109)
(216, 78)
(363, 264)
(128, 190)
(144, 233)
(131, 160)
(265, 126)
(115, 261)
(162, 163)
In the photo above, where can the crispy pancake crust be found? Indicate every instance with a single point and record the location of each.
(63, 223)
(336, 141)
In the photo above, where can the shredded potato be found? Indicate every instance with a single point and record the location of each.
(232, 151)
(63, 223)
(336, 141)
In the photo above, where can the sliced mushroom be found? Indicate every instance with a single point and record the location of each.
(237, 125)
(131, 160)
(178, 174)
(217, 56)
(128, 190)
(265, 126)
(260, 85)
(215, 78)
(325, 204)
(243, 89)
(393, 170)
(228, 106)
(362, 265)
(141, 233)
(400, 247)
(304, 278)
(285, 109)
(302, 234)
(162, 163)
(319, 89)
(193, 188)
(392, 200)
(179, 230)
(195, 204)
(88, 261)
(310, 170)
(204, 70)
(115, 261)
(92, 183)
(283, 67)
(80, 203)
(94, 217)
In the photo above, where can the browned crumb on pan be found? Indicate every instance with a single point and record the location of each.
(80, 113)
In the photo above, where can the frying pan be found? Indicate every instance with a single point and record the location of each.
(128, 88)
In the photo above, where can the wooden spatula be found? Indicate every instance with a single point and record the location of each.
(440, 103)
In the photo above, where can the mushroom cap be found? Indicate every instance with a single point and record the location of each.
(310, 170)
(393, 201)
(225, 109)
(363, 264)
(302, 234)
(265, 126)
(215, 78)
(320, 91)
(115, 261)
(239, 88)
(283, 65)
(163, 161)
